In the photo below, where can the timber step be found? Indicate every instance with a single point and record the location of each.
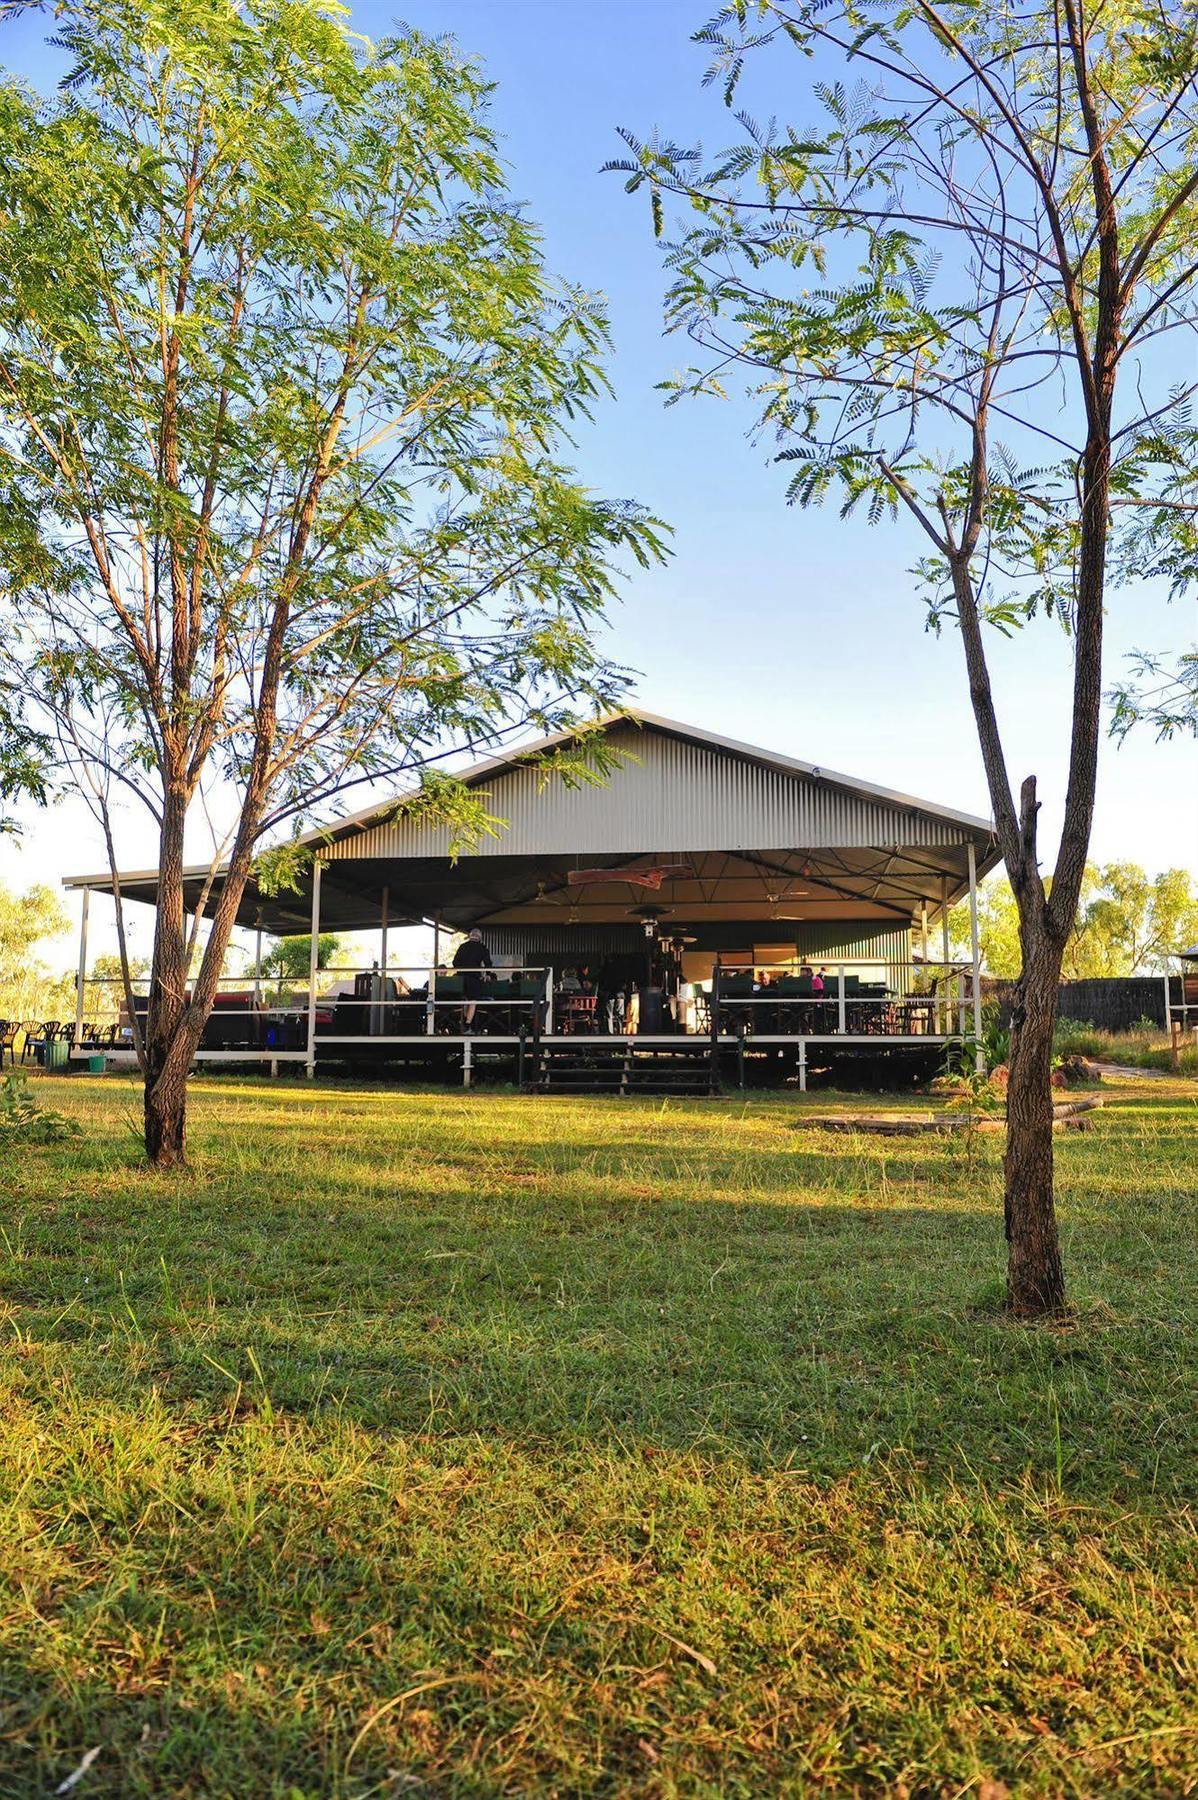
(576, 1067)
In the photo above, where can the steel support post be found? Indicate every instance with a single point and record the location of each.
(312, 967)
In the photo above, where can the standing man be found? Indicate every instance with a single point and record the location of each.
(471, 957)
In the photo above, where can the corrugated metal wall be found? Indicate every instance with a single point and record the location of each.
(532, 946)
(675, 797)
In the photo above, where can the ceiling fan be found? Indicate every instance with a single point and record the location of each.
(774, 901)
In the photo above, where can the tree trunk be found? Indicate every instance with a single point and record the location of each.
(165, 1114)
(1035, 1280)
(165, 1092)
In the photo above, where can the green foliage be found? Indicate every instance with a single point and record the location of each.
(1158, 693)
(998, 929)
(1128, 923)
(851, 262)
(28, 988)
(290, 958)
(996, 1037)
(286, 505)
(24, 1121)
(107, 968)
(969, 1084)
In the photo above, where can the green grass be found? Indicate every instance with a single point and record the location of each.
(463, 1445)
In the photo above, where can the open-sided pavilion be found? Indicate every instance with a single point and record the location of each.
(713, 879)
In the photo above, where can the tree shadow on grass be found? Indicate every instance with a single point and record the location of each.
(786, 1332)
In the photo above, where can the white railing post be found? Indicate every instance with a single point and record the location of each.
(430, 1004)
(974, 949)
(313, 954)
(841, 1009)
(946, 970)
(79, 985)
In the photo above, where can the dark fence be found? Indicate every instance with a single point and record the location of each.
(1115, 1004)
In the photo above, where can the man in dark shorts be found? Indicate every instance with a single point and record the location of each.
(471, 957)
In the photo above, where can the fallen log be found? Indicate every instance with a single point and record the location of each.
(1067, 1115)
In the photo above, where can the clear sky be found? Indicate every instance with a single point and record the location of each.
(781, 627)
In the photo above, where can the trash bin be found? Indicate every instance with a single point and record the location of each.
(651, 1018)
(56, 1053)
(95, 1065)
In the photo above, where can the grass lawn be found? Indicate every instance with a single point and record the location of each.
(447, 1444)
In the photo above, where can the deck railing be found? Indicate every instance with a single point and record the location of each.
(424, 1000)
(909, 999)
(276, 1017)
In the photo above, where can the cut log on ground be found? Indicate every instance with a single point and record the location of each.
(1067, 1115)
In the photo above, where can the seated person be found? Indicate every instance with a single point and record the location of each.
(569, 983)
(817, 981)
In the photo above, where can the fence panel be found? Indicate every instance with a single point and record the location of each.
(1116, 1003)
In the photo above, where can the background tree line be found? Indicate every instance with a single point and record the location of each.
(1127, 923)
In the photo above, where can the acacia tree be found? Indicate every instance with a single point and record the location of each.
(957, 287)
(284, 388)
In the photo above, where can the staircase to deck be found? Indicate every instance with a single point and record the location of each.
(574, 1065)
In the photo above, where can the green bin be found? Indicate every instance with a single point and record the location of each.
(56, 1053)
(95, 1065)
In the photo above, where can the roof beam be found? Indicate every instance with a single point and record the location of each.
(844, 893)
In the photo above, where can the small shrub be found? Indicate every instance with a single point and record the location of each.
(23, 1121)
(961, 1077)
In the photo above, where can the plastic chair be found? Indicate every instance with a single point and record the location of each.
(38, 1036)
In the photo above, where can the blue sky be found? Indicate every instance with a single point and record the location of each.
(781, 627)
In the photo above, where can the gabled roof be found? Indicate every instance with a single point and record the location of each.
(494, 768)
(745, 821)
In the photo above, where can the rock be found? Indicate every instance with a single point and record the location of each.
(1076, 1071)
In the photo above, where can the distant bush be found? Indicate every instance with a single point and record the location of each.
(1145, 1047)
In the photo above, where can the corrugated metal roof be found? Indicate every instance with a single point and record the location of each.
(677, 789)
(679, 793)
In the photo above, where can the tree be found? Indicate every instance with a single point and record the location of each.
(284, 387)
(290, 958)
(108, 974)
(1127, 923)
(998, 929)
(955, 286)
(27, 987)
